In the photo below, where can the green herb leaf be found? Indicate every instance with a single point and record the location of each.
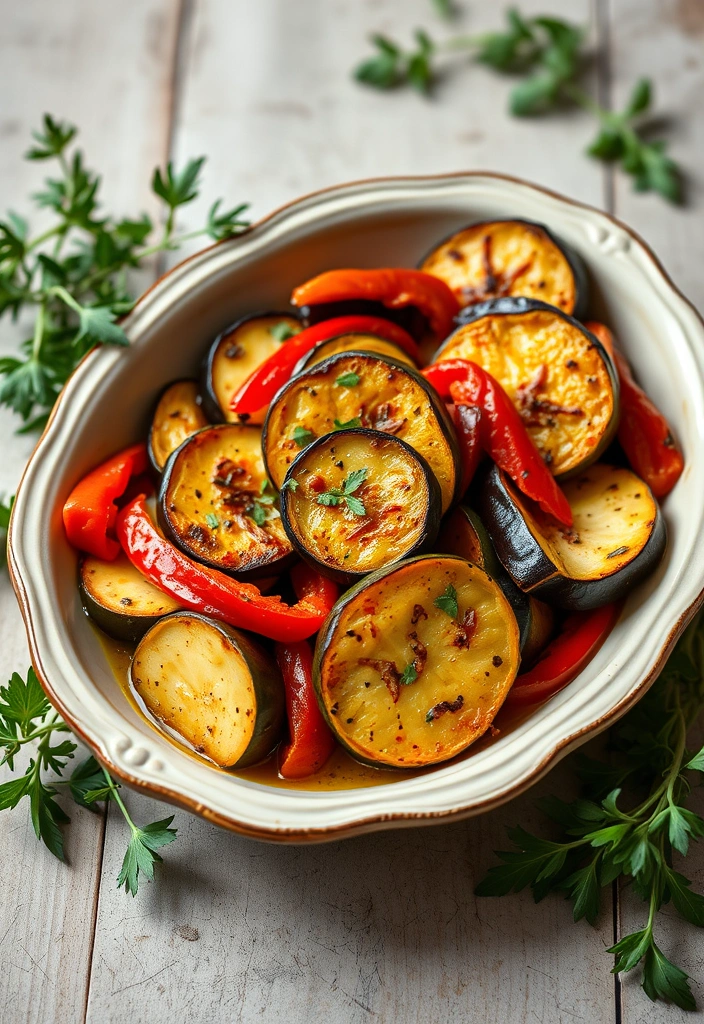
(225, 225)
(257, 513)
(385, 69)
(409, 675)
(23, 700)
(447, 602)
(348, 380)
(302, 437)
(283, 331)
(354, 480)
(663, 980)
(141, 853)
(212, 520)
(289, 485)
(52, 141)
(329, 498)
(445, 8)
(355, 505)
(348, 424)
(177, 188)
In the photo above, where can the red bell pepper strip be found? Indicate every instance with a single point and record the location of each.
(394, 287)
(644, 433)
(311, 743)
(90, 510)
(261, 386)
(503, 432)
(211, 592)
(467, 420)
(562, 660)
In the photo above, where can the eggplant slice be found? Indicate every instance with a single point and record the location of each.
(211, 687)
(235, 354)
(558, 375)
(464, 534)
(178, 415)
(353, 343)
(414, 662)
(359, 389)
(355, 501)
(618, 537)
(510, 257)
(218, 507)
(119, 599)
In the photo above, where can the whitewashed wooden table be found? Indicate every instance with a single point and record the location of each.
(382, 928)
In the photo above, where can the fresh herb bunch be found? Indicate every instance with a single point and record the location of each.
(74, 277)
(26, 717)
(548, 54)
(629, 823)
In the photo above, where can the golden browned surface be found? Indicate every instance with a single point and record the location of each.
(504, 258)
(177, 416)
(614, 513)
(394, 494)
(193, 680)
(358, 342)
(555, 376)
(386, 398)
(471, 671)
(239, 354)
(119, 587)
(214, 487)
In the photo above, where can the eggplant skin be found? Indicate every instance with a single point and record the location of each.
(531, 557)
(234, 354)
(178, 414)
(388, 396)
(119, 599)
(464, 661)
(408, 317)
(572, 416)
(450, 253)
(353, 342)
(400, 495)
(211, 687)
(210, 490)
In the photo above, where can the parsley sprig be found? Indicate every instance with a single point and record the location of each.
(630, 823)
(548, 54)
(26, 717)
(262, 506)
(345, 494)
(73, 278)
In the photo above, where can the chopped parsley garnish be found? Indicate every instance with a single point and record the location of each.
(289, 485)
(345, 494)
(348, 424)
(447, 602)
(348, 380)
(259, 509)
(302, 437)
(212, 520)
(409, 675)
(283, 331)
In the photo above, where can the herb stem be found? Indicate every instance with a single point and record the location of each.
(38, 331)
(119, 801)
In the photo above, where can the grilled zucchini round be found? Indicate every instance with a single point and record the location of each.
(559, 376)
(510, 257)
(211, 687)
(119, 599)
(216, 504)
(357, 500)
(360, 389)
(353, 343)
(464, 534)
(179, 414)
(414, 662)
(235, 354)
(618, 537)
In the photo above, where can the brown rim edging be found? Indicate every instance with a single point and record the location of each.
(363, 825)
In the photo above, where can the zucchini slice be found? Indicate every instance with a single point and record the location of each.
(510, 257)
(360, 389)
(464, 534)
(414, 662)
(218, 507)
(353, 343)
(559, 376)
(119, 599)
(235, 354)
(618, 537)
(177, 416)
(357, 500)
(211, 687)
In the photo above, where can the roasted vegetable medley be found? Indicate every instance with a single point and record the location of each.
(458, 446)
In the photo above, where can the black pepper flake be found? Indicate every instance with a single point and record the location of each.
(497, 661)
